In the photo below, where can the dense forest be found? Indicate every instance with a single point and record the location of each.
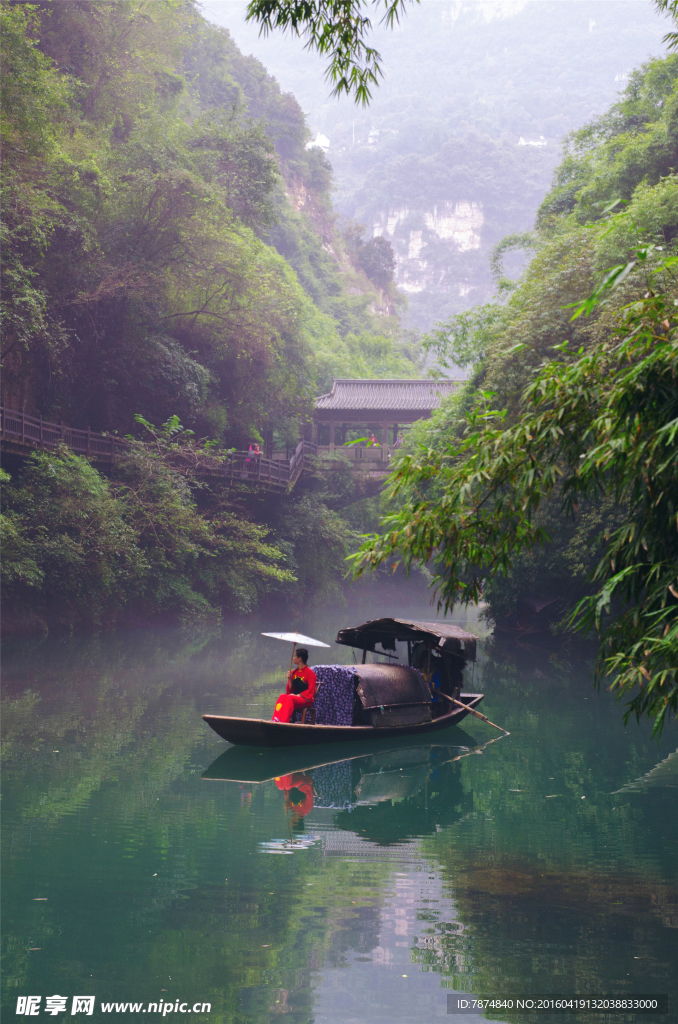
(170, 252)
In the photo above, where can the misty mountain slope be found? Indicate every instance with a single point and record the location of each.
(460, 142)
(567, 389)
(168, 240)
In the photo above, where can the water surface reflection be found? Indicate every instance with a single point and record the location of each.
(351, 884)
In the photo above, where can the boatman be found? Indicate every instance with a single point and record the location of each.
(300, 692)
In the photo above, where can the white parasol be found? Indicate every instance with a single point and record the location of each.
(296, 638)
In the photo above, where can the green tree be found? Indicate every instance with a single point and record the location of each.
(591, 424)
(143, 207)
(377, 260)
(66, 541)
(81, 550)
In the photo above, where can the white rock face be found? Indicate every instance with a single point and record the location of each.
(389, 220)
(459, 221)
(394, 218)
(413, 279)
(483, 10)
(415, 246)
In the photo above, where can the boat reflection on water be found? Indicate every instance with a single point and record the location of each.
(386, 796)
(299, 796)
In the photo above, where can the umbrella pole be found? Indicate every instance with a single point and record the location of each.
(294, 647)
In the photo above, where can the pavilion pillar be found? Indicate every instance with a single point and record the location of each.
(384, 445)
(331, 435)
(395, 433)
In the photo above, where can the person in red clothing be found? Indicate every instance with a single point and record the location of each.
(300, 691)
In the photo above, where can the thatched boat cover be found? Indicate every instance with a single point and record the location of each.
(445, 635)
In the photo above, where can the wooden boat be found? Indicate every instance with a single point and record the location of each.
(260, 732)
(386, 700)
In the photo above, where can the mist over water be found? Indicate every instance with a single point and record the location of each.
(335, 884)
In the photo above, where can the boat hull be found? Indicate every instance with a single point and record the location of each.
(261, 732)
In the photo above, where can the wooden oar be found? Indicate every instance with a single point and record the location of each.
(471, 711)
(479, 749)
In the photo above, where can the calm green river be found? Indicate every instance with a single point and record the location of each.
(147, 862)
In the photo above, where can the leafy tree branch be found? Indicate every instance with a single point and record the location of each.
(602, 422)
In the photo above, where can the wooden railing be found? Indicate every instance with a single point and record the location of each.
(34, 432)
(360, 453)
(254, 469)
(304, 451)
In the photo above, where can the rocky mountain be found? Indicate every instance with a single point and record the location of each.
(459, 144)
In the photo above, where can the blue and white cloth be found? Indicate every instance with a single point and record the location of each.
(334, 699)
(334, 695)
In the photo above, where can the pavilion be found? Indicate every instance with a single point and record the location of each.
(384, 404)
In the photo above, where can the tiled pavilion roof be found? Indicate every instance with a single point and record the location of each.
(386, 395)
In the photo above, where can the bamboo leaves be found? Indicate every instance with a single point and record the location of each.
(594, 424)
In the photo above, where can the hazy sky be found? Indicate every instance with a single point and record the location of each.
(302, 73)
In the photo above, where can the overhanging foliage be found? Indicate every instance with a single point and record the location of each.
(591, 424)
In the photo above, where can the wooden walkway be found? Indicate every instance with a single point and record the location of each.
(18, 429)
(21, 433)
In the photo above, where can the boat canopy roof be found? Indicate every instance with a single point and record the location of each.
(443, 635)
(390, 686)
